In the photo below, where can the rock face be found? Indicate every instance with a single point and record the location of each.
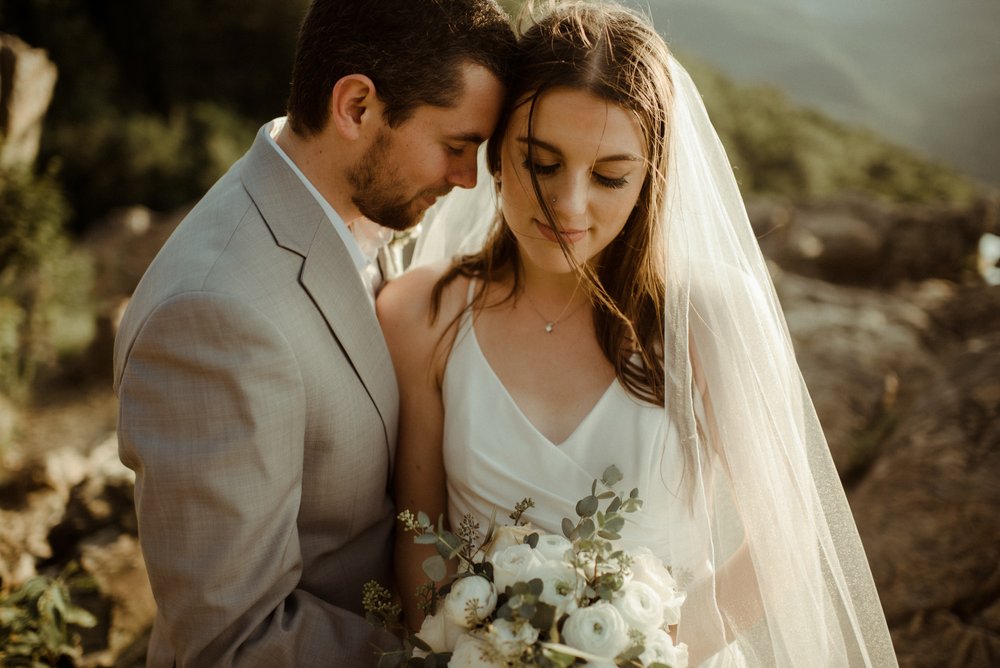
(905, 375)
(27, 79)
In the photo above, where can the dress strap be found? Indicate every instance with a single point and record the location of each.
(471, 292)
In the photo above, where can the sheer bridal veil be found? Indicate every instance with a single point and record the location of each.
(790, 585)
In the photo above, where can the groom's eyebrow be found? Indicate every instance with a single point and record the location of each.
(471, 137)
(542, 144)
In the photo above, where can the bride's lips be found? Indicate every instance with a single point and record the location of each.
(569, 236)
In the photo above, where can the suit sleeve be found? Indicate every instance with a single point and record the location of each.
(212, 420)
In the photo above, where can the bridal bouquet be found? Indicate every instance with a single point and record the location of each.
(520, 597)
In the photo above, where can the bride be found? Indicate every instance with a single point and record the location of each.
(608, 304)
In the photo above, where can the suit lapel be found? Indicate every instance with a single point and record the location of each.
(329, 274)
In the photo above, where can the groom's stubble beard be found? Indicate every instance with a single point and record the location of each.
(379, 192)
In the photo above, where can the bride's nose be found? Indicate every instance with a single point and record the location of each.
(568, 197)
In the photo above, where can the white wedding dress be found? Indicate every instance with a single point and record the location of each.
(495, 457)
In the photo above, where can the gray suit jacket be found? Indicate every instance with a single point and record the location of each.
(258, 408)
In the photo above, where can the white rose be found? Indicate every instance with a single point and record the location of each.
(640, 606)
(516, 563)
(659, 648)
(647, 568)
(510, 639)
(467, 593)
(562, 585)
(471, 652)
(597, 629)
(554, 546)
(439, 633)
(506, 536)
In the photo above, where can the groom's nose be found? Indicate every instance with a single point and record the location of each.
(462, 170)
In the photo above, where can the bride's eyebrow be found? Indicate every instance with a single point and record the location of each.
(542, 144)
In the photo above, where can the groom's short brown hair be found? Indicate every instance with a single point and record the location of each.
(411, 49)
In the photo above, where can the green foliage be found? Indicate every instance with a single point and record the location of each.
(152, 97)
(36, 622)
(40, 276)
(144, 158)
(778, 147)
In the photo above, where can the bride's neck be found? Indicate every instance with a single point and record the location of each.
(552, 289)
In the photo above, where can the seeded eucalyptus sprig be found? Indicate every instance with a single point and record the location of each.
(592, 534)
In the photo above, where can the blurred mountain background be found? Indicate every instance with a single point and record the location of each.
(923, 73)
(864, 138)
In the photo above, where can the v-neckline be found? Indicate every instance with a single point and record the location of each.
(517, 408)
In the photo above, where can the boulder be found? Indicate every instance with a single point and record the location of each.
(867, 243)
(856, 348)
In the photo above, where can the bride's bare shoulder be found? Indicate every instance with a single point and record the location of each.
(406, 301)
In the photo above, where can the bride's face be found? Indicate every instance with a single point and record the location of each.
(589, 158)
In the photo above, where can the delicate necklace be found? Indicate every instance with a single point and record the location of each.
(551, 324)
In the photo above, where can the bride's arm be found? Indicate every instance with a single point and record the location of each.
(418, 355)
(733, 587)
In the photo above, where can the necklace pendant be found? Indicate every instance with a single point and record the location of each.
(549, 326)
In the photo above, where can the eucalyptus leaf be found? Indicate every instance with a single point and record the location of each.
(612, 476)
(587, 528)
(586, 506)
(631, 653)
(544, 617)
(422, 519)
(614, 505)
(568, 528)
(435, 567)
(608, 535)
(532, 540)
(616, 524)
(425, 539)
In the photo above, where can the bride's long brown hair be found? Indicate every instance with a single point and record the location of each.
(614, 54)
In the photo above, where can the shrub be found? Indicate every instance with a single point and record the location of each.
(36, 621)
(40, 276)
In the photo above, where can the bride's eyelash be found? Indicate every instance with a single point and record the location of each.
(546, 170)
(614, 184)
(543, 170)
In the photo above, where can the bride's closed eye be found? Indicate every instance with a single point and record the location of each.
(540, 169)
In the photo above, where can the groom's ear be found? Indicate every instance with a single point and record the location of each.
(354, 106)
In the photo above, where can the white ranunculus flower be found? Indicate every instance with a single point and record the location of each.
(562, 585)
(516, 563)
(471, 652)
(465, 593)
(510, 639)
(554, 546)
(597, 629)
(659, 648)
(648, 568)
(640, 606)
(506, 536)
(439, 632)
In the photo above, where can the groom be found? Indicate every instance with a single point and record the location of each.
(258, 403)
